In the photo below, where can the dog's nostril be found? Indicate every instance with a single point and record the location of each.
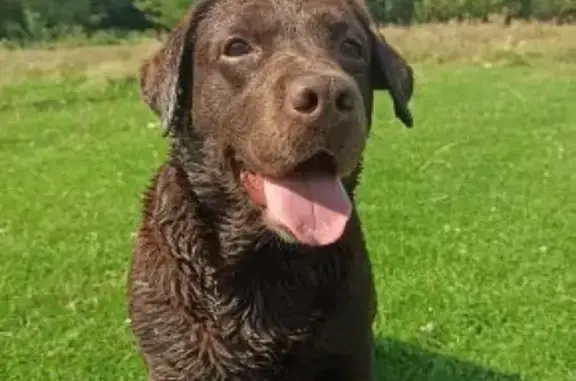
(305, 101)
(344, 101)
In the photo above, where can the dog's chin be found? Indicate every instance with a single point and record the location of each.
(307, 204)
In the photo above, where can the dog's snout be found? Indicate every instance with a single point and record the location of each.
(314, 96)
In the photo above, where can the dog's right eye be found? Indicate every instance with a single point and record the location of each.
(237, 47)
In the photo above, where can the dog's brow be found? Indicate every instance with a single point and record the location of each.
(247, 28)
(245, 23)
(338, 27)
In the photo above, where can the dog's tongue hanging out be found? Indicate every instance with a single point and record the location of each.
(313, 208)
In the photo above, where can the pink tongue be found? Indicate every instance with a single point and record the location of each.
(314, 209)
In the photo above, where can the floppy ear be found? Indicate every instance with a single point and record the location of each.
(389, 71)
(166, 76)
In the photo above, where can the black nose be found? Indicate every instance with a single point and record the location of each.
(313, 96)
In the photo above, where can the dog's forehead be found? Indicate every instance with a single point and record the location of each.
(252, 13)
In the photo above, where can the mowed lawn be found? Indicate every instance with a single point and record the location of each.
(470, 219)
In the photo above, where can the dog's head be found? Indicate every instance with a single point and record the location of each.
(283, 91)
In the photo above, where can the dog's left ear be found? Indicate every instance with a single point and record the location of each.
(166, 76)
(389, 71)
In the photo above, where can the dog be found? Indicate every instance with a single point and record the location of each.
(250, 262)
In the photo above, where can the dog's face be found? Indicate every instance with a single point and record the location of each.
(283, 91)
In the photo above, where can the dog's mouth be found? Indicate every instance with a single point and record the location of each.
(309, 203)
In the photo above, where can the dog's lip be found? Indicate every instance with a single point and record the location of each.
(320, 163)
(253, 184)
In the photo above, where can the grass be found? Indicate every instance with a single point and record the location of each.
(470, 217)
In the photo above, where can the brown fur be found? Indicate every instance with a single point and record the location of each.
(214, 293)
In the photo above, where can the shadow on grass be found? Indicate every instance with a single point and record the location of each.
(400, 361)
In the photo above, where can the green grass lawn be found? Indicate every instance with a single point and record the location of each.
(470, 218)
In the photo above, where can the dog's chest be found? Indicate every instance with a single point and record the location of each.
(263, 324)
(254, 338)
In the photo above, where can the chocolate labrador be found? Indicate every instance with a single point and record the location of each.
(250, 262)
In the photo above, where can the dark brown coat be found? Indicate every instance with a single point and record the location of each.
(216, 292)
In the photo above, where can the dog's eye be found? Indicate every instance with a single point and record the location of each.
(352, 48)
(237, 47)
